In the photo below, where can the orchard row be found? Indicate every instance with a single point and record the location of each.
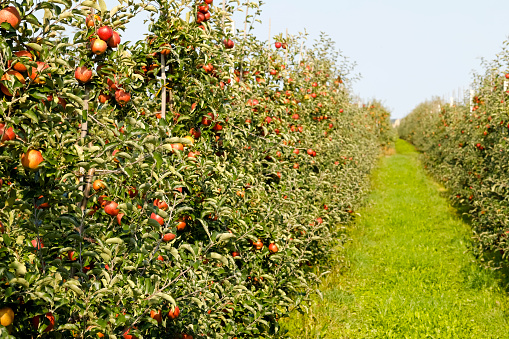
(466, 147)
(189, 185)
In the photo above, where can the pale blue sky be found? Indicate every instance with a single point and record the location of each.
(406, 51)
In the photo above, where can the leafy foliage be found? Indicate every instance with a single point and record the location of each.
(167, 175)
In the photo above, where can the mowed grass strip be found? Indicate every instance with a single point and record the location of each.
(409, 273)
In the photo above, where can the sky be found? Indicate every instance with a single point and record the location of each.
(406, 51)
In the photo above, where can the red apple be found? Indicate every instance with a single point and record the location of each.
(114, 41)
(105, 33)
(98, 46)
(83, 74)
(157, 218)
(111, 208)
(122, 97)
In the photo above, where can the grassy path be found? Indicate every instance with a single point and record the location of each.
(408, 274)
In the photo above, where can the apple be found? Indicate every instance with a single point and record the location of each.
(10, 15)
(126, 335)
(105, 33)
(114, 41)
(217, 127)
(192, 155)
(83, 74)
(122, 97)
(98, 46)
(207, 16)
(168, 237)
(49, 316)
(273, 248)
(6, 77)
(18, 66)
(6, 134)
(104, 98)
(161, 204)
(200, 17)
(37, 243)
(32, 160)
(229, 44)
(177, 147)
(160, 258)
(91, 20)
(111, 208)
(235, 254)
(181, 225)
(258, 244)
(296, 151)
(174, 313)
(157, 218)
(204, 9)
(208, 2)
(98, 185)
(278, 44)
(156, 315)
(34, 74)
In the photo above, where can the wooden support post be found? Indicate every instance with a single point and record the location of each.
(163, 78)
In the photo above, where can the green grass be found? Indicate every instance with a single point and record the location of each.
(409, 274)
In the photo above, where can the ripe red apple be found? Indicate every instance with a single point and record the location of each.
(168, 237)
(6, 77)
(174, 313)
(83, 74)
(6, 134)
(296, 151)
(122, 97)
(273, 248)
(105, 33)
(181, 225)
(162, 205)
(10, 15)
(204, 9)
(104, 98)
(114, 41)
(34, 74)
(156, 315)
(157, 218)
(98, 46)
(177, 147)
(18, 66)
(208, 2)
(111, 208)
(196, 133)
(37, 243)
(229, 44)
(207, 16)
(200, 17)
(278, 44)
(258, 244)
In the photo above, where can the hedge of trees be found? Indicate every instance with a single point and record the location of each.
(465, 146)
(188, 185)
